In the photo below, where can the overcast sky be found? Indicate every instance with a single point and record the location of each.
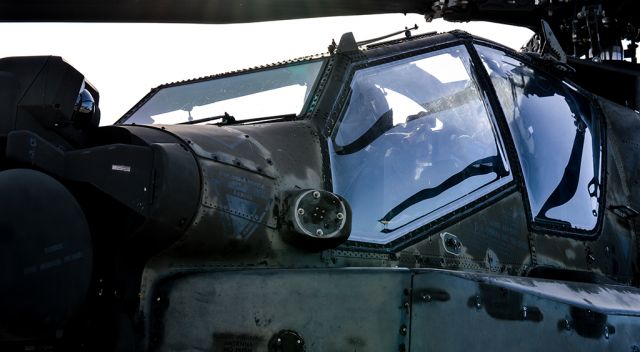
(124, 61)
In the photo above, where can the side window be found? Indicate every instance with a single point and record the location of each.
(413, 143)
(557, 136)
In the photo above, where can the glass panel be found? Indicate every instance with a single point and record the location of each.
(557, 137)
(414, 138)
(274, 92)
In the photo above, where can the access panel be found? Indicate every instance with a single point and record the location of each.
(283, 310)
(457, 311)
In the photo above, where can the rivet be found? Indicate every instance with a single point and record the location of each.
(340, 216)
(319, 232)
(403, 330)
(300, 211)
(426, 297)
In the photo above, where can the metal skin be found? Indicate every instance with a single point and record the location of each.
(205, 266)
(232, 281)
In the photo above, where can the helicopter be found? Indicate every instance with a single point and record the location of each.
(434, 192)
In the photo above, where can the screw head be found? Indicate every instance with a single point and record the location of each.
(319, 232)
(340, 216)
(300, 211)
(316, 194)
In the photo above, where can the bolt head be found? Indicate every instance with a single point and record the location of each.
(316, 194)
(478, 302)
(403, 330)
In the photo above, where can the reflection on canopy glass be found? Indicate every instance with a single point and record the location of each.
(415, 139)
(273, 92)
(557, 136)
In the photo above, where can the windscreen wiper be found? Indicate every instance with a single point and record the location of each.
(226, 119)
(230, 120)
(257, 119)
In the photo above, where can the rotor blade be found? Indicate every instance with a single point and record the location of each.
(198, 11)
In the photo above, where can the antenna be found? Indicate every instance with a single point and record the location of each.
(406, 31)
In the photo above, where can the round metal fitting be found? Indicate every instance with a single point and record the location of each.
(285, 341)
(319, 214)
(403, 330)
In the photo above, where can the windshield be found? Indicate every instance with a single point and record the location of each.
(277, 91)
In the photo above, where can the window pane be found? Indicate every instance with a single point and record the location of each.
(273, 92)
(557, 137)
(414, 139)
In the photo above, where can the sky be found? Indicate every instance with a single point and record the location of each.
(124, 61)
